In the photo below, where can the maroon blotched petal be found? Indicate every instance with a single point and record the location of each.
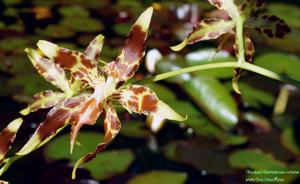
(7, 136)
(112, 126)
(127, 63)
(87, 114)
(58, 117)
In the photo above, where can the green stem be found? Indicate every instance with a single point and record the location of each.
(245, 66)
(240, 39)
(7, 163)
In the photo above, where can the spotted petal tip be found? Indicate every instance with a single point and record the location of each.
(179, 46)
(48, 48)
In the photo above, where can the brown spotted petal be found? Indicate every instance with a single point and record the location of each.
(49, 70)
(81, 66)
(207, 29)
(43, 100)
(7, 136)
(87, 114)
(94, 48)
(227, 5)
(249, 53)
(127, 63)
(58, 117)
(269, 25)
(112, 126)
(90, 110)
(142, 100)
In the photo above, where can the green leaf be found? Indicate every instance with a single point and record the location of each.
(202, 154)
(184, 107)
(83, 24)
(11, 2)
(92, 4)
(13, 44)
(162, 92)
(104, 166)
(134, 129)
(289, 43)
(280, 63)
(122, 29)
(211, 96)
(255, 97)
(203, 127)
(55, 31)
(254, 159)
(158, 177)
(28, 84)
(110, 163)
(59, 148)
(16, 64)
(288, 140)
(73, 11)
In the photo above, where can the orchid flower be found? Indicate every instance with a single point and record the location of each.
(106, 82)
(242, 14)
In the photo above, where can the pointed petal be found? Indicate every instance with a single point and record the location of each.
(89, 111)
(49, 70)
(127, 63)
(7, 136)
(58, 117)
(226, 5)
(207, 29)
(43, 100)
(86, 158)
(80, 65)
(112, 126)
(142, 100)
(94, 48)
(165, 111)
(88, 114)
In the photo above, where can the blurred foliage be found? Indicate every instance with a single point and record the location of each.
(103, 167)
(154, 177)
(224, 134)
